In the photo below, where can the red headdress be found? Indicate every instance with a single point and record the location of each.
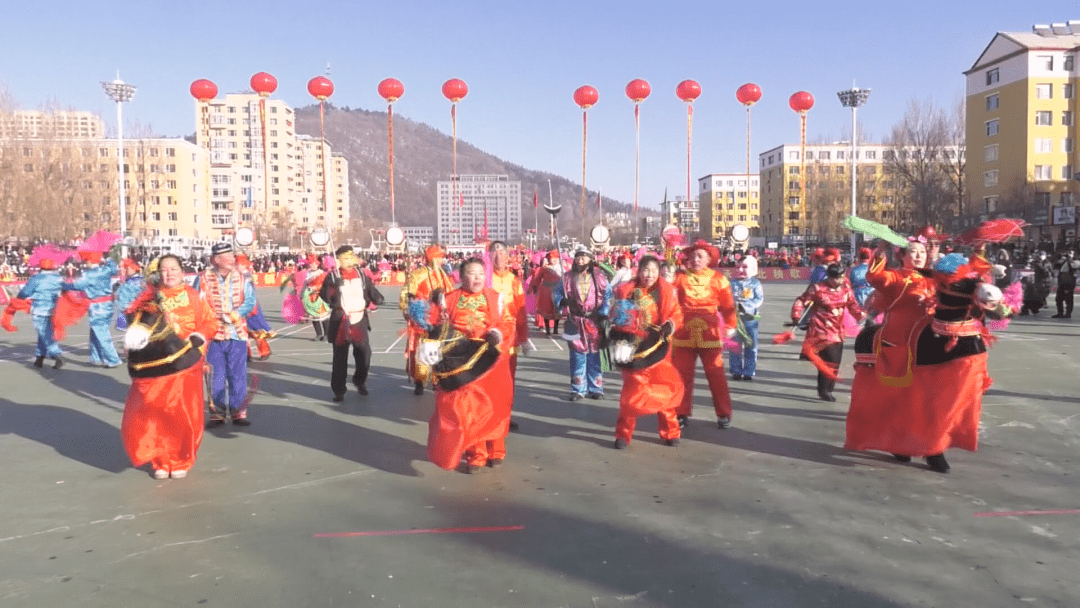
(865, 254)
(92, 257)
(47, 264)
(817, 254)
(553, 254)
(434, 251)
(130, 264)
(714, 253)
(829, 256)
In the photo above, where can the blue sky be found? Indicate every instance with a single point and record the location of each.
(522, 62)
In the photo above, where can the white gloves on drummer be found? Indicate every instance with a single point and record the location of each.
(730, 332)
(988, 295)
(624, 351)
(136, 337)
(429, 353)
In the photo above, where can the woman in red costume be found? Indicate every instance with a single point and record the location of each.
(471, 368)
(824, 343)
(884, 392)
(646, 313)
(543, 283)
(163, 415)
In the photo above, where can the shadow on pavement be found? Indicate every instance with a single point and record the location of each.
(71, 433)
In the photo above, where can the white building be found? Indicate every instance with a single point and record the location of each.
(682, 213)
(476, 203)
(418, 236)
(727, 199)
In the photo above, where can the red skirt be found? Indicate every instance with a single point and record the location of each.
(163, 420)
(463, 417)
(651, 390)
(939, 410)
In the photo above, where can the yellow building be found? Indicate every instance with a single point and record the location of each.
(278, 189)
(1021, 130)
(726, 199)
(790, 218)
(61, 124)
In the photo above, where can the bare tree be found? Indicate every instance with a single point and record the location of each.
(926, 159)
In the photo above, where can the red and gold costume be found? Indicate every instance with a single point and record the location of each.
(422, 282)
(508, 285)
(659, 388)
(473, 419)
(545, 279)
(708, 310)
(163, 415)
(825, 328)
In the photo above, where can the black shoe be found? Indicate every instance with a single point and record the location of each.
(39, 362)
(937, 463)
(494, 462)
(748, 378)
(596, 396)
(1057, 316)
(1068, 316)
(682, 420)
(723, 422)
(513, 426)
(575, 397)
(419, 389)
(826, 396)
(469, 469)
(673, 442)
(58, 364)
(902, 458)
(620, 443)
(241, 422)
(213, 423)
(338, 398)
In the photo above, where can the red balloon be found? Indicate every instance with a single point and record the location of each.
(688, 90)
(638, 90)
(748, 94)
(586, 97)
(203, 90)
(455, 89)
(801, 101)
(264, 84)
(391, 89)
(320, 87)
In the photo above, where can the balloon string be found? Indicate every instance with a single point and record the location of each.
(689, 131)
(748, 167)
(390, 134)
(266, 167)
(453, 123)
(637, 154)
(584, 144)
(802, 158)
(326, 175)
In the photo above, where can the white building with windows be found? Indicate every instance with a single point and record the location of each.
(682, 213)
(476, 208)
(726, 199)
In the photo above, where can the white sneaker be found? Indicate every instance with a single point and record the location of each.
(179, 474)
(161, 474)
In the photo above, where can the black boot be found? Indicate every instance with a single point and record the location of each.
(937, 463)
(419, 389)
(556, 327)
(58, 363)
(902, 458)
(39, 362)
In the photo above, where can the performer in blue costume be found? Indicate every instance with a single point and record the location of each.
(131, 285)
(749, 296)
(857, 276)
(259, 329)
(39, 297)
(96, 283)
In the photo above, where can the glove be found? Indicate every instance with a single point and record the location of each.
(494, 337)
(730, 332)
(197, 340)
(667, 328)
(429, 352)
(624, 351)
(136, 337)
(526, 348)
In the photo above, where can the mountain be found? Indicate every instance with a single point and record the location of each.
(423, 156)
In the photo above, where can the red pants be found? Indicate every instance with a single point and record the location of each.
(666, 420)
(712, 359)
(479, 454)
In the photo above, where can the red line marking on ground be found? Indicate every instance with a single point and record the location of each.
(1014, 513)
(422, 531)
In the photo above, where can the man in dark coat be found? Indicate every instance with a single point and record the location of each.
(349, 292)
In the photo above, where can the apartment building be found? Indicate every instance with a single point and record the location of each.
(476, 206)
(726, 199)
(59, 125)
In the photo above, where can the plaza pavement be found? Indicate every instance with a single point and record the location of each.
(323, 504)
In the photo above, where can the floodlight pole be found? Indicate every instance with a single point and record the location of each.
(120, 92)
(853, 98)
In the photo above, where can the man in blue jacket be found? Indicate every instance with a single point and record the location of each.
(96, 282)
(42, 291)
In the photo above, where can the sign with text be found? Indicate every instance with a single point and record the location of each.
(1064, 215)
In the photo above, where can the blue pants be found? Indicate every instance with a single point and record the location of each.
(257, 321)
(585, 371)
(228, 360)
(745, 364)
(102, 350)
(46, 345)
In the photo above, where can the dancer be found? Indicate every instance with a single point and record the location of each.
(166, 344)
(96, 284)
(543, 283)
(857, 276)
(231, 296)
(258, 327)
(1067, 269)
(708, 317)
(645, 315)
(422, 283)
(349, 292)
(38, 297)
(314, 307)
(749, 296)
(824, 343)
(585, 295)
(132, 283)
(469, 359)
(508, 286)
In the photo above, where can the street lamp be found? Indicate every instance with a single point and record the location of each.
(120, 92)
(853, 98)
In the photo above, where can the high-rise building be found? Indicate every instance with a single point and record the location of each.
(274, 181)
(726, 199)
(790, 218)
(62, 124)
(1021, 130)
(479, 206)
(682, 213)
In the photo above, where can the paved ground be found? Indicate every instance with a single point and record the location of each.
(771, 512)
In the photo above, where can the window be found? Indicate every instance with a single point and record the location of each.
(1066, 144)
(840, 170)
(989, 204)
(871, 154)
(793, 215)
(993, 75)
(992, 127)
(1067, 91)
(793, 201)
(1068, 65)
(1044, 118)
(1066, 173)
(1043, 172)
(1045, 62)
(1066, 118)
(1044, 91)
(990, 153)
(793, 156)
(1044, 145)
(990, 178)
(156, 216)
(793, 170)
(823, 155)
(839, 155)
(1066, 199)
(170, 152)
(172, 216)
(793, 185)
(992, 102)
